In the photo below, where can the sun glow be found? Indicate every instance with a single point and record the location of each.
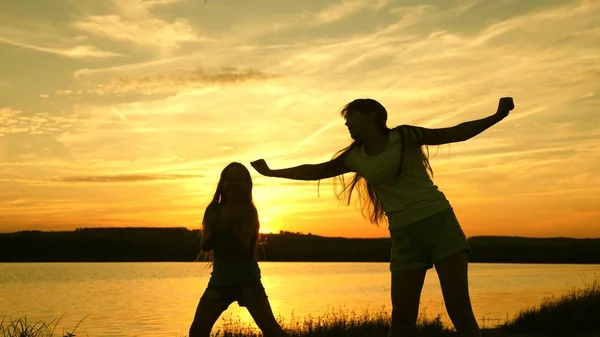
(267, 230)
(273, 205)
(195, 95)
(268, 221)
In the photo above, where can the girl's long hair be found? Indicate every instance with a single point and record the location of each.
(370, 204)
(213, 210)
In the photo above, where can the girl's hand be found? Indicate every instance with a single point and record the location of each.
(505, 105)
(261, 167)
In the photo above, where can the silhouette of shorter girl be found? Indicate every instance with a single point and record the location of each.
(230, 234)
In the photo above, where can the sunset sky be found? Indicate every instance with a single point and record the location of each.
(123, 113)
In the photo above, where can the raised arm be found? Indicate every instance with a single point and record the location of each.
(466, 130)
(328, 169)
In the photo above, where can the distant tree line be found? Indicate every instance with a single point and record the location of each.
(180, 244)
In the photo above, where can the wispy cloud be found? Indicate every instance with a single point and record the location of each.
(577, 12)
(174, 82)
(134, 22)
(120, 178)
(80, 51)
(275, 92)
(39, 123)
(153, 3)
(335, 13)
(342, 10)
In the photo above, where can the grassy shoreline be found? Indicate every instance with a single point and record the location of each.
(575, 314)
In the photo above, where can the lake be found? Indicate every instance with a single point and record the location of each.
(159, 299)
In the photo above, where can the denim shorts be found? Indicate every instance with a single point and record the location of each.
(243, 293)
(425, 242)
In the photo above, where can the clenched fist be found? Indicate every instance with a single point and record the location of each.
(261, 167)
(505, 105)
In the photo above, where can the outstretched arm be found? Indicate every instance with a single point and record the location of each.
(466, 130)
(332, 168)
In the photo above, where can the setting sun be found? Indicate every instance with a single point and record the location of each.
(272, 207)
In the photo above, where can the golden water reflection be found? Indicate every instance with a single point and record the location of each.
(159, 299)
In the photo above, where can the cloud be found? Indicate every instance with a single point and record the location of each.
(433, 66)
(133, 22)
(177, 81)
(154, 3)
(575, 12)
(23, 147)
(32, 136)
(435, 79)
(39, 123)
(68, 92)
(81, 51)
(342, 10)
(302, 21)
(126, 178)
(410, 15)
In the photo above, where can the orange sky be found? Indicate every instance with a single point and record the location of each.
(123, 113)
